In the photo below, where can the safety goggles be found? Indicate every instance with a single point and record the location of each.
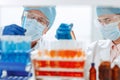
(39, 18)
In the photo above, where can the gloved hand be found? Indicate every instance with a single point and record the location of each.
(13, 29)
(64, 31)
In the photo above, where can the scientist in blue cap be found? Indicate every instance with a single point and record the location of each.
(109, 48)
(37, 21)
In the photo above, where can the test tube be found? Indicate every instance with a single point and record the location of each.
(24, 19)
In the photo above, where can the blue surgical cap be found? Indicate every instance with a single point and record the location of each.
(102, 10)
(49, 12)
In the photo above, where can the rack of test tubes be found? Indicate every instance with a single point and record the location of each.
(15, 57)
(59, 60)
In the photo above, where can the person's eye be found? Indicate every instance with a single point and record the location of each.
(99, 21)
(108, 20)
(39, 20)
(29, 16)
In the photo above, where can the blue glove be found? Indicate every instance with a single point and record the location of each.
(63, 31)
(13, 29)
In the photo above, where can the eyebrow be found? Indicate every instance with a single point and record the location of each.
(106, 18)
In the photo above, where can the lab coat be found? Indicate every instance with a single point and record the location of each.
(97, 52)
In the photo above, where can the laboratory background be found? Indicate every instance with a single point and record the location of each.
(85, 57)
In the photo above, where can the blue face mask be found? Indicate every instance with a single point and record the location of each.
(34, 29)
(111, 31)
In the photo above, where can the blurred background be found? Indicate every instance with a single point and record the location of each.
(81, 13)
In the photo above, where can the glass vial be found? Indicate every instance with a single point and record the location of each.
(116, 73)
(92, 74)
(105, 71)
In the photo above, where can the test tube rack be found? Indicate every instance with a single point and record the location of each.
(14, 58)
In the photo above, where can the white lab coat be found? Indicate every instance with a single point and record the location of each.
(101, 50)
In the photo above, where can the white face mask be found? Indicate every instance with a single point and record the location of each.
(111, 31)
(34, 29)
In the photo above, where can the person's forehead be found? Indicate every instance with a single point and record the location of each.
(38, 13)
(106, 16)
